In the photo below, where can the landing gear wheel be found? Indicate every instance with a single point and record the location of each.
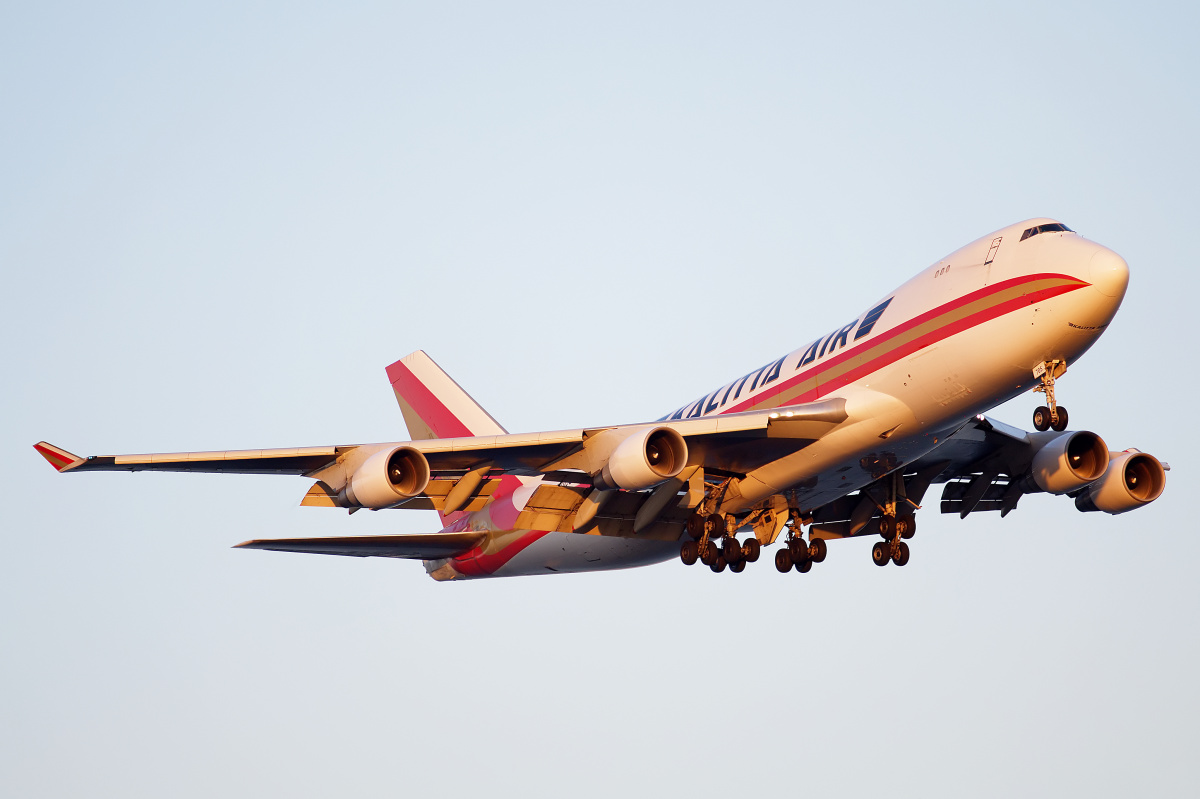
(1041, 418)
(695, 526)
(732, 550)
(900, 556)
(737, 568)
(805, 567)
(880, 554)
(719, 565)
(1061, 424)
(887, 527)
(751, 550)
(709, 554)
(907, 526)
(817, 550)
(797, 550)
(783, 560)
(717, 528)
(689, 552)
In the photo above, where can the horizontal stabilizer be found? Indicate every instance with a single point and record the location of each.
(419, 546)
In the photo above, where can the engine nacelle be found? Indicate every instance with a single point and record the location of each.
(1069, 461)
(388, 477)
(644, 459)
(1133, 479)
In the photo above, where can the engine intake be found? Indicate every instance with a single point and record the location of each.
(644, 459)
(1133, 479)
(388, 477)
(1069, 461)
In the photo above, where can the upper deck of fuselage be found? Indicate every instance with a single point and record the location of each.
(1037, 257)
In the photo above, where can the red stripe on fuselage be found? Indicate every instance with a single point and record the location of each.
(440, 419)
(891, 356)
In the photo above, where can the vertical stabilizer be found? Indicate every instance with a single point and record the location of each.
(434, 406)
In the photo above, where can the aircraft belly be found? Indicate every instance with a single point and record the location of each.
(576, 552)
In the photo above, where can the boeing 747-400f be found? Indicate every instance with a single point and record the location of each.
(844, 436)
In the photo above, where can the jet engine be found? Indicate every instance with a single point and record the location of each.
(1133, 479)
(1069, 461)
(387, 477)
(643, 459)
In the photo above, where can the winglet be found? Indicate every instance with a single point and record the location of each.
(59, 458)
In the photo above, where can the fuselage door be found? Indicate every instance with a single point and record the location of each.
(987, 262)
(991, 256)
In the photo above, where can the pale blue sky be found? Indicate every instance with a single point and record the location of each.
(218, 222)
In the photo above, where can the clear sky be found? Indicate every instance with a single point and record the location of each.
(220, 221)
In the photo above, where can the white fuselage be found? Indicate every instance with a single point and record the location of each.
(959, 338)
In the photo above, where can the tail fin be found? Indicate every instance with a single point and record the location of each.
(434, 406)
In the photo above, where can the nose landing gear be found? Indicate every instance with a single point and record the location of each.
(1050, 415)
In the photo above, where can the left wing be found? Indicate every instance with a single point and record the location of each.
(731, 444)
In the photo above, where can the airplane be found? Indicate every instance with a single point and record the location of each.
(843, 436)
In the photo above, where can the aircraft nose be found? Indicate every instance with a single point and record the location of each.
(1110, 273)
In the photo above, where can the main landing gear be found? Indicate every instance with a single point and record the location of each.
(893, 549)
(1050, 415)
(732, 554)
(799, 555)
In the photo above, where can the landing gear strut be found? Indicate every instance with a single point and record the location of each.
(894, 528)
(1050, 415)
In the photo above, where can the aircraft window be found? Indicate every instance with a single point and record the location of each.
(1050, 228)
(871, 318)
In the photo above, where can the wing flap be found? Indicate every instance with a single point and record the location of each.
(418, 546)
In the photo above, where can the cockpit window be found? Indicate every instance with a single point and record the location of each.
(1053, 226)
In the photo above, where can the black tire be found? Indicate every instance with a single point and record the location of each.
(731, 549)
(817, 550)
(887, 527)
(751, 549)
(909, 527)
(1041, 418)
(880, 554)
(720, 565)
(798, 550)
(805, 567)
(695, 526)
(783, 560)
(709, 554)
(900, 557)
(717, 526)
(689, 553)
(1061, 424)
(737, 568)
